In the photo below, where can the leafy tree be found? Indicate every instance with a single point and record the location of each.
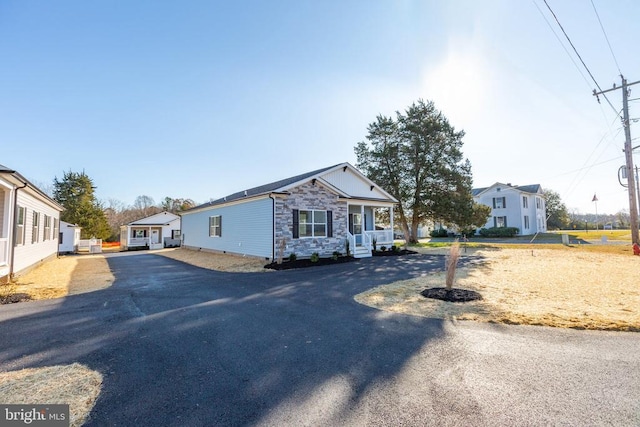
(75, 192)
(177, 205)
(417, 158)
(557, 214)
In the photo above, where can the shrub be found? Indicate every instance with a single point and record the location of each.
(315, 257)
(440, 232)
(336, 255)
(374, 243)
(293, 257)
(346, 245)
(394, 248)
(383, 248)
(499, 232)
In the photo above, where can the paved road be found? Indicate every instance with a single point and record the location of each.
(183, 346)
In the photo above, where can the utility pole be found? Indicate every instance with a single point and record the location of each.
(628, 154)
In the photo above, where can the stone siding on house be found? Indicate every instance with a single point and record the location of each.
(310, 197)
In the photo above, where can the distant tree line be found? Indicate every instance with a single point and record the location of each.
(75, 191)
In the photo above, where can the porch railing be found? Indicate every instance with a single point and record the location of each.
(383, 237)
(93, 246)
(139, 241)
(352, 243)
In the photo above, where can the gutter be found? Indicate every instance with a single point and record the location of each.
(13, 234)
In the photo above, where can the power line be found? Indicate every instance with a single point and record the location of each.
(578, 55)
(606, 38)
(562, 44)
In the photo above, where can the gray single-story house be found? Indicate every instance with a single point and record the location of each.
(315, 212)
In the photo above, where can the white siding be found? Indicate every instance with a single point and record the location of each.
(31, 253)
(515, 211)
(353, 185)
(247, 228)
(70, 236)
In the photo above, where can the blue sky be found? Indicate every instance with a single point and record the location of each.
(199, 99)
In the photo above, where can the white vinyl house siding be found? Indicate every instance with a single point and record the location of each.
(30, 253)
(247, 228)
(353, 185)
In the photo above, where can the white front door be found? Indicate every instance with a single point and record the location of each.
(155, 236)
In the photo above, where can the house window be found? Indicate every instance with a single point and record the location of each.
(175, 234)
(525, 202)
(499, 202)
(22, 214)
(215, 226)
(35, 230)
(312, 224)
(526, 222)
(47, 227)
(499, 221)
(139, 234)
(56, 226)
(538, 203)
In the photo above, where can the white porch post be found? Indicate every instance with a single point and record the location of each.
(373, 218)
(362, 222)
(391, 221)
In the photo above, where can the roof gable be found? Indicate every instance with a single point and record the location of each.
(162, 218)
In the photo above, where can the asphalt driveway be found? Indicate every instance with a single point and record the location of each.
(183, 346)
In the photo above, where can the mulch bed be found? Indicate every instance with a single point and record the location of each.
(453, 295)
(396, 253)
(304, 263)
(13, 298)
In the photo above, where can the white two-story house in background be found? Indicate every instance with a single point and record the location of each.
(519, 206)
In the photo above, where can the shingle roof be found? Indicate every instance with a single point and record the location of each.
(532, 188)
(6, 169)
(264, 189)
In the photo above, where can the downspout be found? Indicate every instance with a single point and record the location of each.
(13, 234)
(273, 225)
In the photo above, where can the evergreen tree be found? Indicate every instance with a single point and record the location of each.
(418, 159)
(75, 192)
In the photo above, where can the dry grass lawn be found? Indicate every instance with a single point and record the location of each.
(66, 275)
(216, 261)
(75, 385)
(568, 288)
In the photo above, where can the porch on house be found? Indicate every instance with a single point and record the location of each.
(141, 236)
(370, 226)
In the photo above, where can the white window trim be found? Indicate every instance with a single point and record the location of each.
(215, 230)
(313, 223)
(20, 227)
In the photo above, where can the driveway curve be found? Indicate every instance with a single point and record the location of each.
(183, 346)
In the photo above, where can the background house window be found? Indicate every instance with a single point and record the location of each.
(175, 234)
(22, 214)
(215, 226)
(47, 227)
(56, 226)
(526, 222)
(499, 202)
(312, 223)
(139, 234)
(35, 229)
(525, 202)
(538, 203)
(499, 221)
